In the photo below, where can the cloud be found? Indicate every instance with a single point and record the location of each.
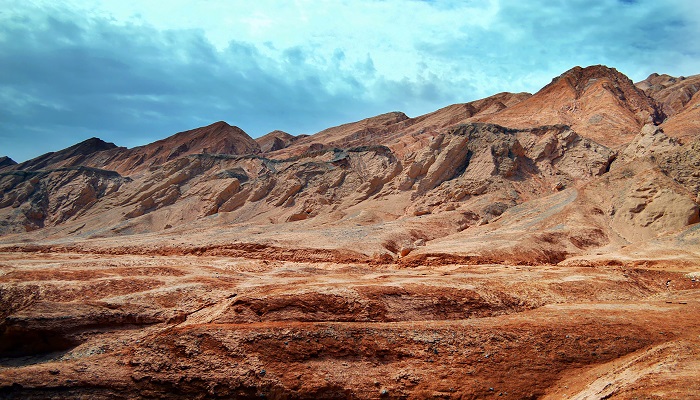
(68, 77)
(131, 73)
(528, 43)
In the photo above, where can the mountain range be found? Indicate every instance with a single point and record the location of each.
(593, 159)
(519, 246)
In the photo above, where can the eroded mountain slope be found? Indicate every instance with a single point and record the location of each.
(556, 253)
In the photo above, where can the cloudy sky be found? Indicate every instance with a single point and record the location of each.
(134, 71)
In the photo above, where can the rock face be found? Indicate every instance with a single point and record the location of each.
(513, 246)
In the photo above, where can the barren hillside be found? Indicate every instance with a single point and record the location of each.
(517, 246)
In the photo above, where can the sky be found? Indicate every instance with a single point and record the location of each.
(132, 72)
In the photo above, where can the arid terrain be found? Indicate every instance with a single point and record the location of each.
(519, 246)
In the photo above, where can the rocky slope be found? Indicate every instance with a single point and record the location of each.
(680, 101)
(514, 246)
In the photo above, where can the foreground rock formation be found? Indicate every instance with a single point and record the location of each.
(521, 246)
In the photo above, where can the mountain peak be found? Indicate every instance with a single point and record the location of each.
(219, 124)
(598, 102)
(6, 161)
(73, 155)
(216, 138)
(92, 145)
(581, 78)
(275, 140)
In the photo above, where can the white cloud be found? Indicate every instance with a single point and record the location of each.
(305, 65)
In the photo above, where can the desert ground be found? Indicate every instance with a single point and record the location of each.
(107, 325)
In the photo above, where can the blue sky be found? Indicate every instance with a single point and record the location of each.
(132, 72)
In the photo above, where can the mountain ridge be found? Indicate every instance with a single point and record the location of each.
(422, 165)
(523, 245)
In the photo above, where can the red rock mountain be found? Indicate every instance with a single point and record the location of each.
(276, 140)
(601, 103)
(517, 246)
(217, 138)
(679, 100)
(187, 176)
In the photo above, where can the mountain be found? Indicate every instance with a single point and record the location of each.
(6, 162)
(680, 102)
(390, 168)
(601, 103)
(78, 154)
(522, 245)
(276, 140)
